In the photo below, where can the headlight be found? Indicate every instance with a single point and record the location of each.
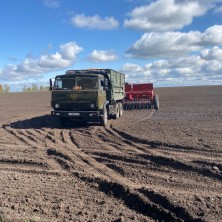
(92, 105)
(57, 106)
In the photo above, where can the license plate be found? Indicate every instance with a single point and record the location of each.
(74, 114)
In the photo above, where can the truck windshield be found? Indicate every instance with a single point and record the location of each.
(76, 83)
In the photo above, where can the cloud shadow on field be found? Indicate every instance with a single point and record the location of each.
(45, 121)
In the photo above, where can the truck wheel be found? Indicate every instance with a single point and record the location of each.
(116, 114)
(120, 109)
(156, 102)
(104, 118)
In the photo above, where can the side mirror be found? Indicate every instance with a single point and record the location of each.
(51, 83)
(106, 82)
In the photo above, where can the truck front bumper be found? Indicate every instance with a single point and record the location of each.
(78, 115)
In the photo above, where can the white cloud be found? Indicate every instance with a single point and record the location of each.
(51, 3)
(102, 56)
(134, 71)
(69, 50)
(212, 54)
(129, 67)
(171, 44)
(218, 10)
(94, 22)
(190, 70)
(32, 67)
(210, 3)
(165, 15)
(212, 35)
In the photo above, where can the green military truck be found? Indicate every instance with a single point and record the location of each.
(90, 95)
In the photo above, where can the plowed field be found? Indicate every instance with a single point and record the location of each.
(149, 165)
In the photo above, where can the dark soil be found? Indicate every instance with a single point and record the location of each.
(149, 165)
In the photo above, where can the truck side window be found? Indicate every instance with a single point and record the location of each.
(58, 84)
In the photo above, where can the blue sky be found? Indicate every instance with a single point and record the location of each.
(167, 42)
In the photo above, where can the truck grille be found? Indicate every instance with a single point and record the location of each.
(74, 106)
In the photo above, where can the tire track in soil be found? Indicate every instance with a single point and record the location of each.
(126, 185)
(20, 162)
(93, 167)
(177, 164)
(166, 149)
(157, 163)
(31, 138)
(98, 170)
(147, 152)
(83, 132)
(184, 166)
(122, 183)
(25, 137)
(121, 190)
(67, 148)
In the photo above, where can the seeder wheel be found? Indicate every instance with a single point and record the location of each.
(156, 102)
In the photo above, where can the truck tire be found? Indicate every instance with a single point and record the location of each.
(104, 118)
(120, 109)
(156, 102)
(116, 114)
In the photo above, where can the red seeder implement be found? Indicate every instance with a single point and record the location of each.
(140, 96)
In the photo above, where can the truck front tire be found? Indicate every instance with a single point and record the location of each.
(104, 118)
(120, 109)
(116, 114)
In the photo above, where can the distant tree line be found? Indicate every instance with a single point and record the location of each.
(35, 88)
(4, 88)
